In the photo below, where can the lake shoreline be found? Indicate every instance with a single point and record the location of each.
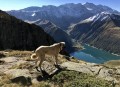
(103, 50)
(94, 55)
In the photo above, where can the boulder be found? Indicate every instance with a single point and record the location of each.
(90, 68)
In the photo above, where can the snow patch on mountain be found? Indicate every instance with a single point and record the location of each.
(63, 15)
(34, 14)
(100, 16)
(104, 18)
(89, 9)
(89, 19)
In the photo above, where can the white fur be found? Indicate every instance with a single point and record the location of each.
(52, 50)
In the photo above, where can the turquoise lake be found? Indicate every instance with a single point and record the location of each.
(94, 55)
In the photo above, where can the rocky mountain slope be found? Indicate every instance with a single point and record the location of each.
(18, 70)
(16, 34)
(62, 15)
(54, 31)
(101, 30)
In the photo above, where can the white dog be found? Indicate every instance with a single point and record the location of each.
(52, 50)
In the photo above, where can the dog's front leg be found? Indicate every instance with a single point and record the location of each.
(56, 60)
(40, 61)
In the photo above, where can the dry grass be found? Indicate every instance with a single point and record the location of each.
(18, 53)
(64, 78)
(73, 59)
(62, 58)
(4, 79)
(112, 63)
(13, 85)
(23, 66)
(27, 58)
(41, 84)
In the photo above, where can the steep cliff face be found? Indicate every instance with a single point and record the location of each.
(16, 34)
(101, 31)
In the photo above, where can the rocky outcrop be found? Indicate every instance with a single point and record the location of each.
(16, 34)
(101, 30)
(100, 71)
(24, 72)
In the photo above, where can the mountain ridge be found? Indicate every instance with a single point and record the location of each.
(66, 13)
(101, 31)
(18, 35)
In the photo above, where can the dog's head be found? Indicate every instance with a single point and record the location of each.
(62, 45)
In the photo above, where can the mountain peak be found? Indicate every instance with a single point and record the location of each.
(62, 15)
(69, 4)
(32, 8)
(88, 3)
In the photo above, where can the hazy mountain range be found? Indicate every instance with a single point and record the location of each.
(62, 15)
(96, 25)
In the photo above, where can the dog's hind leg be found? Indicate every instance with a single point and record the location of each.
(40, 61)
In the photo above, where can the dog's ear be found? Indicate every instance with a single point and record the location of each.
(62, 45)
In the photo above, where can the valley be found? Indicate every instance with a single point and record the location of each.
(90, 56)
(101, 31)
(96, 25)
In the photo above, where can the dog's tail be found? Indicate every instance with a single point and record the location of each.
(33, 56)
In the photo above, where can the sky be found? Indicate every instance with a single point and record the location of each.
(20, 4)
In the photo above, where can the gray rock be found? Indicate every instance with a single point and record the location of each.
(18, 72)
(10, 59)
(49, 68)
(106, 74)
(99, 71)
(85, 68)
(118, 71)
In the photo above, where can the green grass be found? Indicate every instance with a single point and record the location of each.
(76, 79)
(62, 79)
